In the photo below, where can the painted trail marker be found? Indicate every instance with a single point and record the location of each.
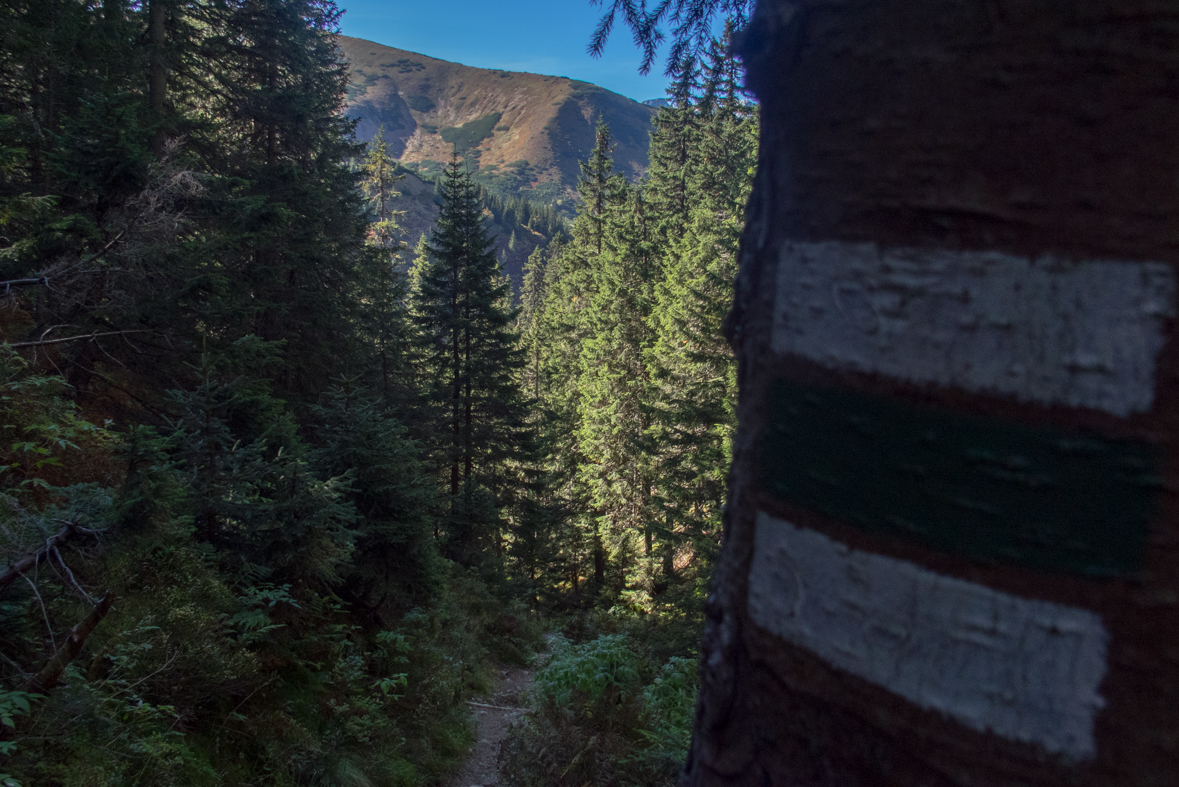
(1025, 669)
(1042, 330)
(983, 487)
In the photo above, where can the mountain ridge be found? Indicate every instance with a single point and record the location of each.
(523, 134)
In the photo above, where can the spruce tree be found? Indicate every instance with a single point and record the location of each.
(378, 183)
(612, 382)
(555, 332)
(382, 286)
(395, 563)
(675, 133)
(692, 399)
(599, 187)
(291, 220)
(472, 358)
(558, 334)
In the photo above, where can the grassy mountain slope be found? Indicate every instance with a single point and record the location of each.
(526, 133)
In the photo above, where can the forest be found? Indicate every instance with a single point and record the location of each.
(280, 491)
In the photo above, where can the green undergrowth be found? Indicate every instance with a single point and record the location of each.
(326, 647)
(182, 685)
(611, 707)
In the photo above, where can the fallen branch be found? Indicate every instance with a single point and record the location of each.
(48, 676)
(496, 707)
(51, 544)
(75, 338)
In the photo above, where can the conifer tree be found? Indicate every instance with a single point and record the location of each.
(693, 393)
(675, 133)
(559, 332)
(382, 290)
(612, 382)
(599, 187)
(637, 437)
(289, 245)
(378, 183)
(472, 358)
(554, 332)
(395, 562)
(254, 494)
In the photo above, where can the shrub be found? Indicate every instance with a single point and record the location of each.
(471, 133)
(669, 704)
(601, 674)
(604, 717)
(420, 103)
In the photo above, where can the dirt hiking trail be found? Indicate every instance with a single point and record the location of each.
(495, 714)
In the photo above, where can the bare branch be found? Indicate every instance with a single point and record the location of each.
(8, 285)
(44, 612)
(72, 578)
(75, 338)
(14, 570)
(102, 252)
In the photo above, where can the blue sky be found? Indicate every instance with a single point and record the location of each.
(541, 36)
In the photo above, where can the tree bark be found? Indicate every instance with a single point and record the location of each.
(158, 70)
(963, 218)
(599, 559)
(468, 412)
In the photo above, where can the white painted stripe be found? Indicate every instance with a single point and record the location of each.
(1024, 669)
(1082, 334)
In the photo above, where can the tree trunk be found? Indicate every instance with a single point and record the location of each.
(458, 386)
(599, 559)
(468, 414)
(950, 541)
(158, 71)
(48, 676)
(16, 569)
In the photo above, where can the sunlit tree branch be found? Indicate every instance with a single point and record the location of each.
(691, 23)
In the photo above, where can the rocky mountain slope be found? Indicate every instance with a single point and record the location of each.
(525, 133)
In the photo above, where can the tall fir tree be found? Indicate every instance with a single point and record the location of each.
(559, 331)
(281, 224)
(613, 377)
(599, 187)
(382, 286)
(555, 332)
(473, 359)
(635, 380)
(693, 392)
(674, 135)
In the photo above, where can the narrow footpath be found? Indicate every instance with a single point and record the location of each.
(495, 714)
